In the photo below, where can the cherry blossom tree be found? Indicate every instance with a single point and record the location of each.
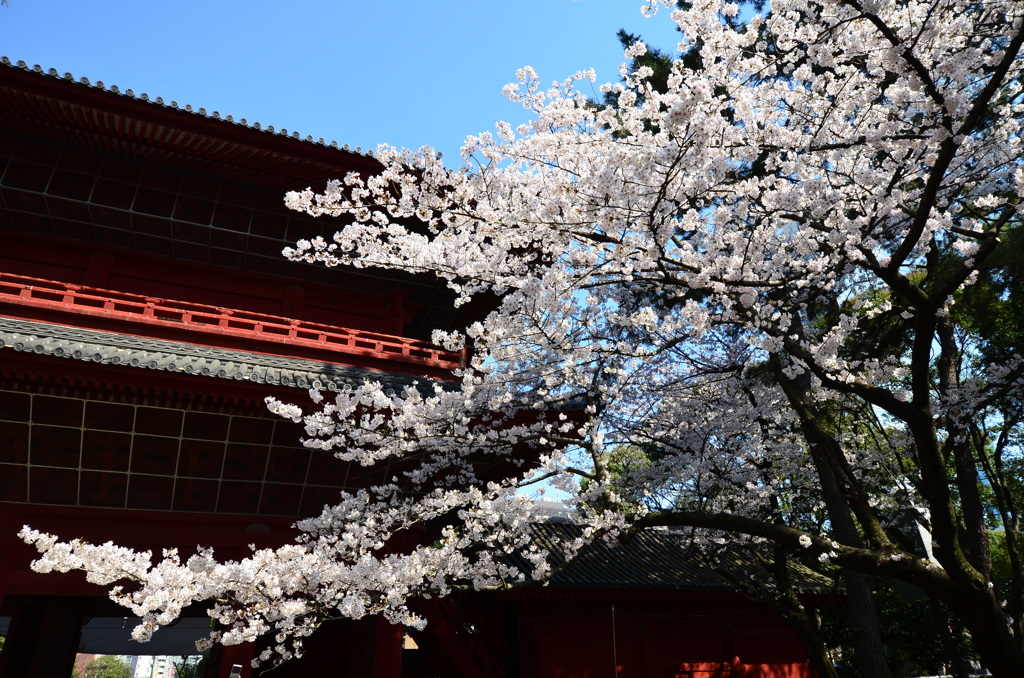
(755, 279)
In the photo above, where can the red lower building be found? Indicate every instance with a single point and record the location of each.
(646, 609)
(145, 314)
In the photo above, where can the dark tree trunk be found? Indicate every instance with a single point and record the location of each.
(869, 655)
(811, 640)
(868, 652)
(1000, 652)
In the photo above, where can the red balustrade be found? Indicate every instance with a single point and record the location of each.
(51, 295)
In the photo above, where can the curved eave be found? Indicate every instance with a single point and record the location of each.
(45, 104)
(109, 348)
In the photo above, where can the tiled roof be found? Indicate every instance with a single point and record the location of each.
(173, 105)
(660, 559)
(110, 348)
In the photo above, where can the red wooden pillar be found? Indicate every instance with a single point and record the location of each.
(42, 641)
(387, 655)
(7, 550)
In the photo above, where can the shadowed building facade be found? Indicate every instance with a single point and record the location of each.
(145, 313)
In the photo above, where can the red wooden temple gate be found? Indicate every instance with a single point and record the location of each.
(145, 313)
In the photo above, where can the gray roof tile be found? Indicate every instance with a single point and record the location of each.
(661, 559)
(110, 348)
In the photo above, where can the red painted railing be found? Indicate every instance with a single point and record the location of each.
(69, 298)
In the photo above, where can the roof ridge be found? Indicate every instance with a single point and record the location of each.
(187, 108)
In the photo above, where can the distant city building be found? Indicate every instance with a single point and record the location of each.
(153, 667)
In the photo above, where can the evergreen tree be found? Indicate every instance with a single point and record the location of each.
(107, 666)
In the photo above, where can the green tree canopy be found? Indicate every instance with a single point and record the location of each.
(107, 666)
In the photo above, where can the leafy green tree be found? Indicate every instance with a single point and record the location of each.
(190, 666)
(107, 666)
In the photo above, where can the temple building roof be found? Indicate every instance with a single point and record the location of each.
(112, 118)
(663, 559)
(109, 348)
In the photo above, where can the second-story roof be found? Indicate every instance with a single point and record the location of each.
(46, 103)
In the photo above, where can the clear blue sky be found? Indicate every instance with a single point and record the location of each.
(357, 72)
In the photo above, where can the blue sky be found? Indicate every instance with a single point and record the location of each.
(362, 73)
